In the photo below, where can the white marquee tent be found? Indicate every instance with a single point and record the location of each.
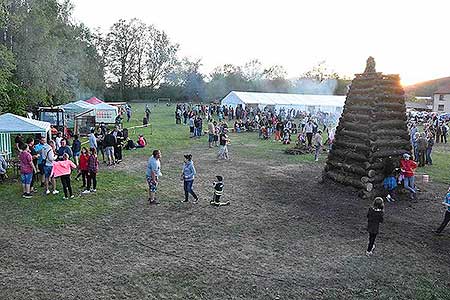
(75, 108)
(13, 124)
(105, 113)
(310, 103)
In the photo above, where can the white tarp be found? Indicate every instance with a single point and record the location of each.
(325, 103)
(10, 123)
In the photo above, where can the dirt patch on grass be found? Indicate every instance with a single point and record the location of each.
(284, 236)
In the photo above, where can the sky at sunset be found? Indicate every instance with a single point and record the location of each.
(410, 38)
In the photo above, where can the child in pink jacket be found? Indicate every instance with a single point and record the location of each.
(63, 169)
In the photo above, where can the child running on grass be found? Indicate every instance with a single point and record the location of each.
(63, 169)
(374, 218)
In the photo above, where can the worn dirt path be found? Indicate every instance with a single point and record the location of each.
(283, 237)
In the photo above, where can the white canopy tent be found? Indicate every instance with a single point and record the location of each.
(13, 124)
(105, 113)
(71, 110)
(309, 103)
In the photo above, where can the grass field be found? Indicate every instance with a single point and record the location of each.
(284, 237)
(50, 211)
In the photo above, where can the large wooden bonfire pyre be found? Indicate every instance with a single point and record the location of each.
(371, 128)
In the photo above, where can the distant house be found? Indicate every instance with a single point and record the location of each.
(441, 100)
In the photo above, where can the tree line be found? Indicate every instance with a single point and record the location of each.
(48, 58)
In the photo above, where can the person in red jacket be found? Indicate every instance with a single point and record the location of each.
(83, 165)
(407, 167)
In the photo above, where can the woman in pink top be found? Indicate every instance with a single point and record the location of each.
(63, 169)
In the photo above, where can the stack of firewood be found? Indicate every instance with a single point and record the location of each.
(371, 128)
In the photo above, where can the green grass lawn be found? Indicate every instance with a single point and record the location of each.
(119, 189)
(440, 170)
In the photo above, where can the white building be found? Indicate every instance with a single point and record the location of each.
(441, 100)
(309, 103)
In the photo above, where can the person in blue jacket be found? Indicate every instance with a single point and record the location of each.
(446, 220)
(188, 176)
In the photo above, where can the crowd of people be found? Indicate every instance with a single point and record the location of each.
(42, 162)
(434, 131)
(280, 124)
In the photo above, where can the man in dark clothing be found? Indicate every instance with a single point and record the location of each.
(196, 126)
(18, 141)
(444, 133)
(103, 129)
(76, 148)
(422, 145)
(109, 142)
(118, 146)
(429, 160)
(147, 112)
(64, 149)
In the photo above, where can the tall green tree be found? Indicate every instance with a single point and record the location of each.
(161, 56)
(54, 57)
(122, 41)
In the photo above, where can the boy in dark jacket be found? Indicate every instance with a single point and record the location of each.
(374, 218)
(218, 192)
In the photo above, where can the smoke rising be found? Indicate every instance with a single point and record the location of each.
(314, 86)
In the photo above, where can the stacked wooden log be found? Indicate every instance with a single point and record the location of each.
(371, 128)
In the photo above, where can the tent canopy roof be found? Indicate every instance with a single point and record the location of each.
(283, 99)
(10, 123)
(94, 101)
(79, 105)
(105, 106)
